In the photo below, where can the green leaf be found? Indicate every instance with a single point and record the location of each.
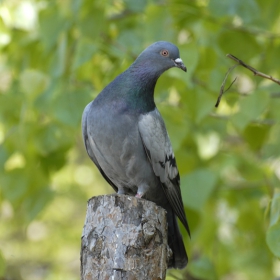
(92, 20)
(230, 42)
(273, 239)
(135, 5)
(247, 10)
(272, 146)
(275, 208)
(33, 82)
(68, 107)
(256, 135)
(197, 187)
(52, 137)
(159, 19)
(54, 160)
(190, 56)
(185, 12)
(36, 201)
(76, 5)
(269, 13)
(2, 265)
(14, 185)
(52, 24)
(130, 41)
(202, 269)
(251, 107)
(58, 63)
(199, 103)
(3, 157)
(274, 109)
(84, 51)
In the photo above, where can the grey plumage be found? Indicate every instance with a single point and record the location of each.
(125, 136)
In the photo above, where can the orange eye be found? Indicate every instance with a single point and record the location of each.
(164, 53)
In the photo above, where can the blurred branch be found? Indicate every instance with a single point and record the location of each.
(262, 122)
(255, 31)
(121, 15)
(240, 62)
(275, 95)
(255, 71)
(243, 28)
(243, 185)
(222, 91)
(270, 188)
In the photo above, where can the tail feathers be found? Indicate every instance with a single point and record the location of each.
(179, 258)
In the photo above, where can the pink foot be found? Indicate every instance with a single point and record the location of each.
(139, 195)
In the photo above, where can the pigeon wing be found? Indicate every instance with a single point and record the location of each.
(159, 151)
(88, 145)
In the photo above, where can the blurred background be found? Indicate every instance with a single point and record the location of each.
(56, 56)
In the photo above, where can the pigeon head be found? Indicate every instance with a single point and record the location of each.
(160, 57)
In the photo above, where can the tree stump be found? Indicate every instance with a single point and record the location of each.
(124, 238)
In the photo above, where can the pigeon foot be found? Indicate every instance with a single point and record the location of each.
(139, 195)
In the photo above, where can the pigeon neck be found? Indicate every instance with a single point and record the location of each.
(144, 82)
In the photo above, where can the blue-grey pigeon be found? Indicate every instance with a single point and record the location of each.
(125, 136)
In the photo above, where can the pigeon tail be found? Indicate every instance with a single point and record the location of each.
(175, 242)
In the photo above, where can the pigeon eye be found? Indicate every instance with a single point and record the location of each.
(164, 53)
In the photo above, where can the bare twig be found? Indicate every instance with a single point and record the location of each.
(256, 72)
(259, 122)
(240, 62)
(222, 91)
(275, 95)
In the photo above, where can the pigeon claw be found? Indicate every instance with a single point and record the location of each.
(139, 195)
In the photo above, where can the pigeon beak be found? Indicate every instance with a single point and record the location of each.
(179, 63)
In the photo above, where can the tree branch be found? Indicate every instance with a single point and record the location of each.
(240, 62)
(222, 91)
(255, 71)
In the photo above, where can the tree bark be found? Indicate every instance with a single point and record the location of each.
(124, 238)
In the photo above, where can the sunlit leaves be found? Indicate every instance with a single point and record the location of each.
(251, 108)
(247, 11)
(273, 233)
(52, 137)
(199, 103)
(2, 265)
(197, 187)
(135, 5)
(33, 82)
(235, 42)
(269, 14)
(85, 50)
(52, 24)
(191, 58)
(69, 113)
(272, 239)
(161, 28)
(256, 135)
(202, 268)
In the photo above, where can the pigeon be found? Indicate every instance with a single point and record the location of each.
(126, 137)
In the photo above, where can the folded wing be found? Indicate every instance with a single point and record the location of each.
(159, 151)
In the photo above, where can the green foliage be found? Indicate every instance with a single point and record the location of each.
(273, 233)
(203, 183)
(56, 56)
(202, 269)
